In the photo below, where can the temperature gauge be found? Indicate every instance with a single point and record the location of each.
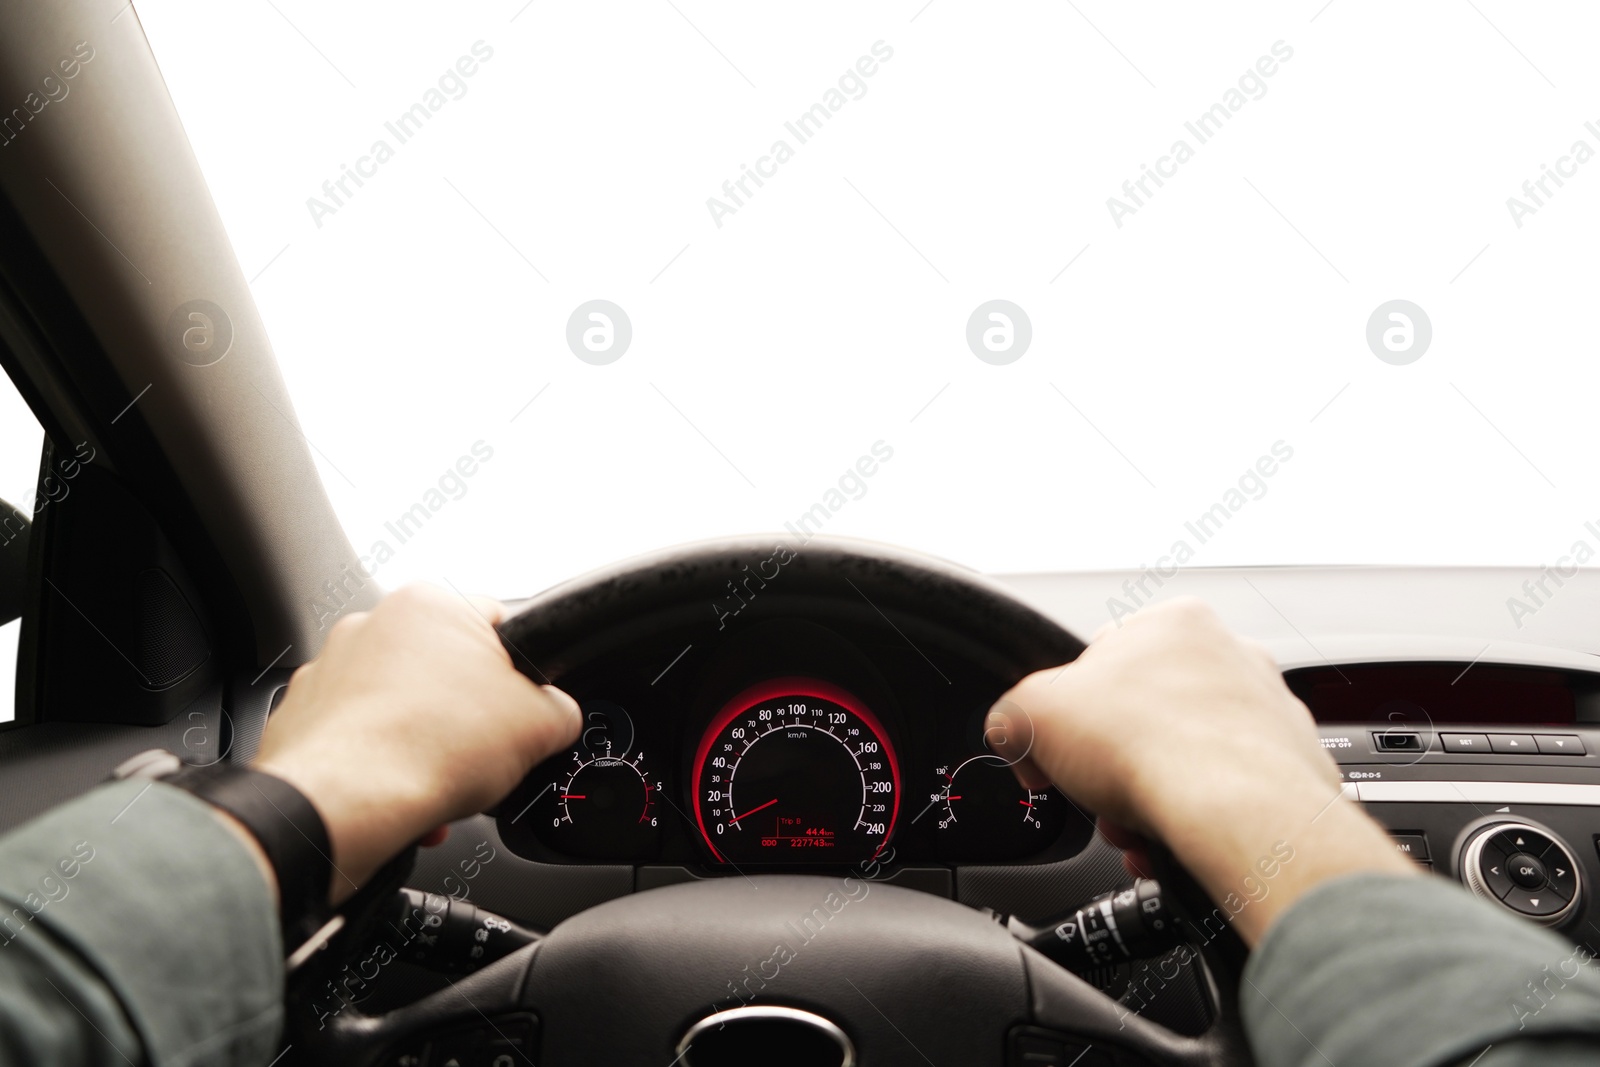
(984, 813)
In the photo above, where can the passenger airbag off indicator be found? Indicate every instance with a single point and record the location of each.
(1398, 741)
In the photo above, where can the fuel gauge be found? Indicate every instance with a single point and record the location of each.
(984, 813)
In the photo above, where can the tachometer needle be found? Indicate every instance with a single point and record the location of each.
(573, 796)
(752, 811)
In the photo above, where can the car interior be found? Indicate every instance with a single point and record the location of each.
(783, 768)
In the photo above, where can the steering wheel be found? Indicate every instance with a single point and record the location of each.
(722, 970)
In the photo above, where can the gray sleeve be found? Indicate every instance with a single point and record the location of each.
(136, 928)
(1380, 970)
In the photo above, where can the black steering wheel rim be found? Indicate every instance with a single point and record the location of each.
(570, 623)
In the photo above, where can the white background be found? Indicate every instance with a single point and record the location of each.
(829, 312)
(21, 440)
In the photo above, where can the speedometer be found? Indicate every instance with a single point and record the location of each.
(795, 770)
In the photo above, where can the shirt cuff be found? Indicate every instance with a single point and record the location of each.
(1382, 969)
(144, 882)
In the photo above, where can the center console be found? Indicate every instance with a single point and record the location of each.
(1493, 780)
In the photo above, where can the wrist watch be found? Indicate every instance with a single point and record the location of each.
(282, 820)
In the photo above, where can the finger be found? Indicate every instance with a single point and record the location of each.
(558, 722)
(1008, 731)
(302, 675)
(1119, 835)
(1134, 846)
(1262, 654)
(1137, 863)
(1029, 776)
(565, 700)
(490, 608)
(346, 627)
(435, 837)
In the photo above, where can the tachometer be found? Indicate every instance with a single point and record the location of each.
(795, 770)
(607, 793)
(597, 803)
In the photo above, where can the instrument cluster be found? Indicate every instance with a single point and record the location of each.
(800, 747)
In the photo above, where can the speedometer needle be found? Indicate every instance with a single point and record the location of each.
(752, 811)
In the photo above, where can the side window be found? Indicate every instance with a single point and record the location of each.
(21, 443)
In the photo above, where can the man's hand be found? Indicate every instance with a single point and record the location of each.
(1172, 728)
(411, 717)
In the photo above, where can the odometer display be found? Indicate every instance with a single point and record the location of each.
(795, 771)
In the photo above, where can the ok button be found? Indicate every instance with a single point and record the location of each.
(1525, 870)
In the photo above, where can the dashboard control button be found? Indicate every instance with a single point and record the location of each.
(1507, 842)
(1533, 844)
(1398, 741)
(1465, 742)
(1495, 878)
(1537, 902)
(1561, 877)
(504, 1041)
(1548, 852)
(1521, 743)
(1560, 744)
(1414, 846)
(1033, 1047)
(1525, 870)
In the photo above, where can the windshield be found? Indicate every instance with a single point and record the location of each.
(1039, 287)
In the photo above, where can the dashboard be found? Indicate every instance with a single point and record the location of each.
(796, 746)
(1486, 774)
(808, 747)
(832, 743)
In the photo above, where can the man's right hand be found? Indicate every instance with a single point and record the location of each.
(1173, 728)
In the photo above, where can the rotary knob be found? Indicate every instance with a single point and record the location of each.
(1524, 869)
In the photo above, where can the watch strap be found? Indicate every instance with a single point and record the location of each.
(289, 830)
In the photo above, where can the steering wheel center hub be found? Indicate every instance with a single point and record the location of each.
(768, 1034)
(631, 980)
